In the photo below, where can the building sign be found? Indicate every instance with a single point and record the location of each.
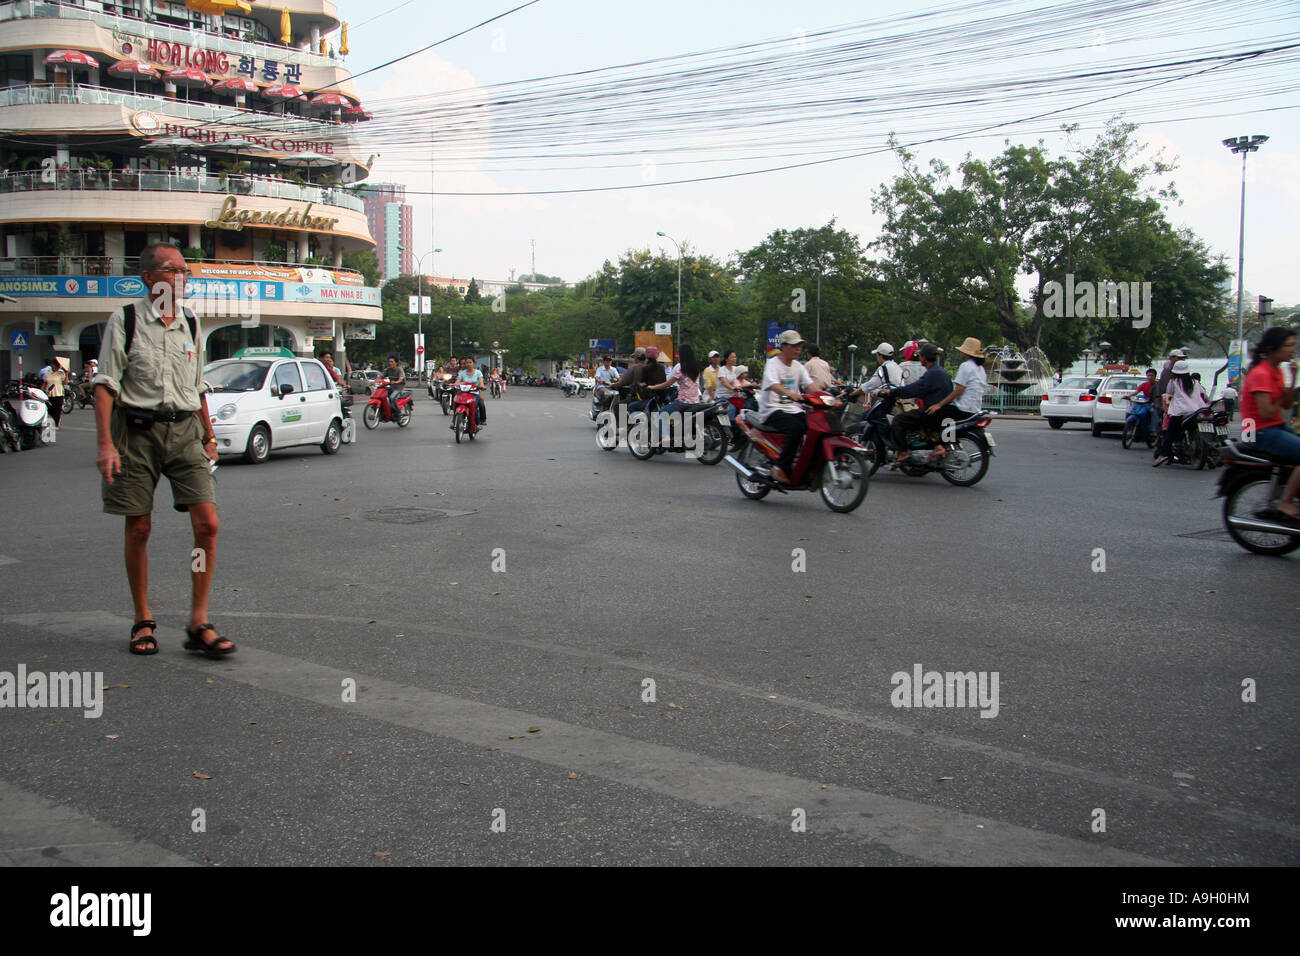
(331, 294)
(61, 287)
(365, 330)
(295, 274)
(49, 326)
(206, 134)
(197, 287)
(233, 218)
(321, 328)
(173, 55)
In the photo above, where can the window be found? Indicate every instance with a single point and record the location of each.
(287, 374)
(317, 380)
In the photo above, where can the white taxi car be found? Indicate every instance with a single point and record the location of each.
(1112, 402)
(1074, 400)
(266, 398)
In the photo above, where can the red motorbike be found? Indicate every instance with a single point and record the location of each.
(380, 408)
(828, 462)
(464, 411)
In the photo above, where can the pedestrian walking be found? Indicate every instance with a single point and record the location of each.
(53, 384)
(151, 418)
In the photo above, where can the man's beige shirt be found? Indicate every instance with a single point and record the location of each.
(820, 372)
(164, 369)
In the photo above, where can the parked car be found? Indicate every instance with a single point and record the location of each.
(269, 398)
(1112, 406)
(1074, 400)
(362, 383)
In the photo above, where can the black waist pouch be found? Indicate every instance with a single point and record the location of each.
(138, 417)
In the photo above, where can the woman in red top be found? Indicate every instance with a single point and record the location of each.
(1264, 396)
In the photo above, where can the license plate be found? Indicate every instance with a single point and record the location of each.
(989, 438)
(1207, 427)
(1221, 430)
(1057, 398)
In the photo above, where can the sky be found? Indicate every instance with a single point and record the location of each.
(487, 237)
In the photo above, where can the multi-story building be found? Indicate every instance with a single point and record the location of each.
(223, 126)
(390, 220)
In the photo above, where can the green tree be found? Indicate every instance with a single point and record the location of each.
(472, 295)
(364, 261)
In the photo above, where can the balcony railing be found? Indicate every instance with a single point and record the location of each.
(123, 18)
(173, 182)
(83, 94)
(118, 266)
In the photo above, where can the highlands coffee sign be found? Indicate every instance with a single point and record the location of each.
(233, 218)
(148, 124)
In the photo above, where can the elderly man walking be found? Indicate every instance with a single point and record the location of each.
(151, 417)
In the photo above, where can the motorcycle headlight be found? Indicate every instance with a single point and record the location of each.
(227, 412)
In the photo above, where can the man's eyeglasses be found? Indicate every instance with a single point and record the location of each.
(168, 270)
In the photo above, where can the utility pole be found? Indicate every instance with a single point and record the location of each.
(534, 244)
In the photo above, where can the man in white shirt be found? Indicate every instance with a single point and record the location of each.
(888, 373)
(784, 381)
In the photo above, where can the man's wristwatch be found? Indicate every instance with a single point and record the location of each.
(210, 440)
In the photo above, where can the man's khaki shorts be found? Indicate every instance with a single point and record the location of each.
(174, 449)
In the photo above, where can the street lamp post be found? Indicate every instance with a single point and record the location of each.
(853, 353)
(1244, 145)
(419, 296)
(1087, 354)
(679, 289)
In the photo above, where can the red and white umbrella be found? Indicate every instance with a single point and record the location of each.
(236, 84)
(332, 100)
(133, 68)
(355, 114)
(283, 91)
(71, 58)
(187, 76)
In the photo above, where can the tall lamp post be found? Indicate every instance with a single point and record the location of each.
(853, 353)
(679, 289)
(1087, 354)
(419, 293)
(1244, 145)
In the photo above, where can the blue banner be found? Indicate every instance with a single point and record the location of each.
(774, 330)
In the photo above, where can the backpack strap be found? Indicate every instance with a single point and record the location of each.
(193, 322)
(128, 324)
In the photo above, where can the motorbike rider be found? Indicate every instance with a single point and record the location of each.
(932, 387)
(686, 374)
(1182, 397)
(606, 375)
(779, 407)
(472, 376)
(1264, 397)
(648, 373)
(397, 378)
(967, 395)
(888, 374)
(710, 380)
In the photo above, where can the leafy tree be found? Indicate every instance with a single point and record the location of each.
(364, 261)
(472, 295)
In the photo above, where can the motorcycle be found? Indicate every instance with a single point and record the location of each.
(349, 423)
(380, 409)
(494, 386)
(1190, 446)
(570, 388)
(968, 451)
(829, 462)
(465, 405)
(446, 390)
(1251, 481)
(30, 423)
(1139, 422)
(1212, 423)
(645, 437)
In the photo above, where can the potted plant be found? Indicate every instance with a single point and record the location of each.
(274, 252)
(194, 253)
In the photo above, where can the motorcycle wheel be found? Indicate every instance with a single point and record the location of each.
(1130, 431)
(1248, 497)
(874, 452)
(753, 459)
(371, 416)
(852, 488)
(715, 445)
(607, 432)
(69, 403)
(1202, 449)
(404, 417)
(976, 450)
(638, 437)
(458, 425)
(1151, 438)
(445, 402)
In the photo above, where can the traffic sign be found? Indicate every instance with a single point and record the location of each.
(18, 340)
(419, 350)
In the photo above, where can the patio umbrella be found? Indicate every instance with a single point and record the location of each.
(355, 114)
(187, 76)
(343, 43)
(238, 85)
(283, 91)
(308, 160)
(133, 69)
(174, 145)
(72, 58)
(330, 100)
(286, 33)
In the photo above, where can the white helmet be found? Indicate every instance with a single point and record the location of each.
(885, 349)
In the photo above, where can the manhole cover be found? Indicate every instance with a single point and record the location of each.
(1210, 534)
(412, 515)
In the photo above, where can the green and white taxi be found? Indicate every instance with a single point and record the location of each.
(266, 398)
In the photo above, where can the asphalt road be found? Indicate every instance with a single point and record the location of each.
(518, 697)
